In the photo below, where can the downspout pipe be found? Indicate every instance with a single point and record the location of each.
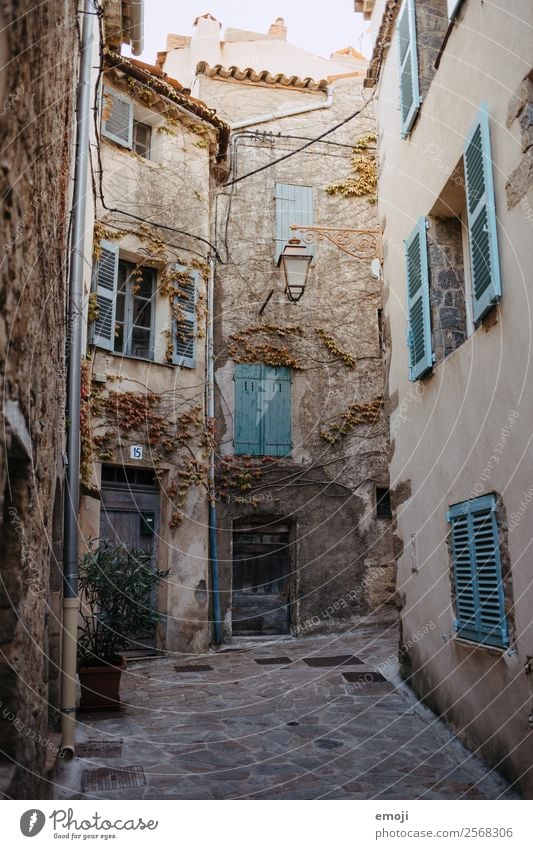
(286, 113)
(213, 542)
(70, 542)
(137, 26)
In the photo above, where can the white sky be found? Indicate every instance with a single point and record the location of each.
(320, 27)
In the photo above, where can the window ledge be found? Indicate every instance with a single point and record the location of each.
(497, 651)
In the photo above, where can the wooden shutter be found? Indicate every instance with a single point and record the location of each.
(184, 332)
(481, 211)
(418, 308)
(105, 286)
(276, 411)
(118, 121)
(479, 597)
(294, 205)
(247, 416)
(409, 88)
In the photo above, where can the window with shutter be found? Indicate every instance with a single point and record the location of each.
(294, 205)
(262, 411)
(481, 211)
(117, 117)
(105, 286)
(418, 306)
(479, 596)
(409, 86)
(184, 320)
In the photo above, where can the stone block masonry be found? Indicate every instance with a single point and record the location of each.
(39, 46)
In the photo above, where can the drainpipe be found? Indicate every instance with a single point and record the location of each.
(70, 545)
(286, 113)
(213, 544)
(137, 26)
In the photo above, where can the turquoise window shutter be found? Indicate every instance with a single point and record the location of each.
(262, 413)
(409, 88)
(418, 307)
(247, 414)
(294, 205)
(481, 210)
(184, 331)
(479, 596)
(105, 285)
(118, 122)
(276, 409)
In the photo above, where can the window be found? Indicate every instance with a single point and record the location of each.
(125, 301)
(383, 503)
(120, 125)
(134, 315)
(142, 135)
(294, 205)
(262, 417)
(184, 318)
(418, 306)
(479, 595)
(452, 262)
(409, 90)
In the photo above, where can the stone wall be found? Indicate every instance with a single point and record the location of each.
(342, 566)
(447, 285)
(431, 24)
(36, 113)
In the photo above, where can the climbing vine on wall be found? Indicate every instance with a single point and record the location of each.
(255, 345)
(356, 414)
(332, 346)
(364, 178)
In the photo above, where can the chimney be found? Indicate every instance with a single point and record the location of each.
(278, 30)
(205, 43)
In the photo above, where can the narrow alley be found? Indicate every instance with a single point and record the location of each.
(312, 718)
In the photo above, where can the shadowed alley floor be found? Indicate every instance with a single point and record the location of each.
(310, 722)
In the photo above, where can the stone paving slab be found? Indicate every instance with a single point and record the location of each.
(243, 730)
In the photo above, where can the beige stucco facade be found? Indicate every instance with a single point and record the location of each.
(464, 429)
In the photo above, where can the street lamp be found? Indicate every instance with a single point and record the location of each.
(294, 263)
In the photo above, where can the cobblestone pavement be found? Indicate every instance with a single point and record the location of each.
(284, 729)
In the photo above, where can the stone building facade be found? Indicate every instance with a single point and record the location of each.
(37, 90)
(145, 437)
(301, 431)
(455, 207)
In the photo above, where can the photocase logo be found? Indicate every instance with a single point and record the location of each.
(32, 822)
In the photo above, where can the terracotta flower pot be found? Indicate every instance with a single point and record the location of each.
(100, 685)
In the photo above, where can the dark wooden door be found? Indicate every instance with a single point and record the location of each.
(131, 516)
(261, 585)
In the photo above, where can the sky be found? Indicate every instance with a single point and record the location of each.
(321, 27)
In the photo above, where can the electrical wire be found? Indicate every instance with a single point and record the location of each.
(299, 149)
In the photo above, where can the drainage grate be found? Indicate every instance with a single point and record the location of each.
(119, 778)
(99, 749)
(337, 660)
(270, 661)
(364, 677)
(198, 668)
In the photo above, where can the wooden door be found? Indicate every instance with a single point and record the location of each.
(130, 516)
(261, 583)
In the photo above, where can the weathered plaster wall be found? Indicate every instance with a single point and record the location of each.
(36, 112)
(172, 188)
(342, 563)
(466, 429)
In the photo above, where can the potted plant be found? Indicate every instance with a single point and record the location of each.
(116, 586)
